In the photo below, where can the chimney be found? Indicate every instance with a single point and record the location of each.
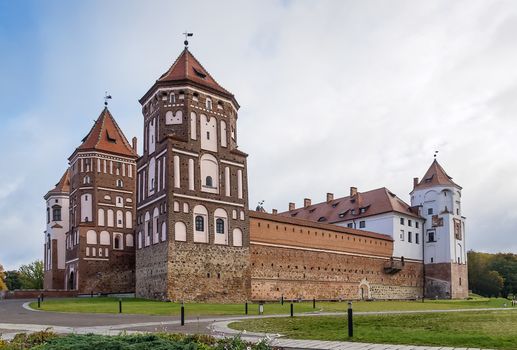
(353, 191)
(292, 206)
(275, 211)
(134, 143)
(415, 181)
(330, 196)
(306, 202)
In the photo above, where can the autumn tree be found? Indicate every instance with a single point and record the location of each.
(3, 286)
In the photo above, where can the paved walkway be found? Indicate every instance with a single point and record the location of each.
(16, 317)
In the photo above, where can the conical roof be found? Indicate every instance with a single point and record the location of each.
(436, 176)
(106, 136)
(187, 69)
(63, 186)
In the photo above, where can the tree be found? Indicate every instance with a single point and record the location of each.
(2, 279)
(12, 280)
(31, 275)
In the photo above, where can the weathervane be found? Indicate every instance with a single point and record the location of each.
(187, 35)
(435, 154)
(106, 98)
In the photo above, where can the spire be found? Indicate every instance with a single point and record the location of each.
(106, 136)
(435, 176)
(63, 186)
(187, 67)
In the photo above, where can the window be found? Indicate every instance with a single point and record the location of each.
(86, 180)
(48, 215)
(200, 223)
(208, 104)
(362, 224)
(430, 211)
(416, 224)
(402, 221)
(117, 241)
(401, 235)
(208, 135)
(120, 183)
(410, 237)
(430, 236)
(350, 225)
(219, 226)
(417, 240)
(409, 223)
(209, 182)
(432, 259)
(56, 213)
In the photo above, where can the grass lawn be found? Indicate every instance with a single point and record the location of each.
(149, 307)
(493, 329)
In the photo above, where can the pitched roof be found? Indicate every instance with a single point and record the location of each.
(187, 67)
(106, 136)
(63, 186)
(360, 205)
(435, 176)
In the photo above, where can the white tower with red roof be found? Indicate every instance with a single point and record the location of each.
(445, 257)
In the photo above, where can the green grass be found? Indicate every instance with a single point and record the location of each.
(150, 307)
(493, 329)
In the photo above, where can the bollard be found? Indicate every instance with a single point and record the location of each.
(39, 302)
(282, 300)
(350, 321)
(119, 305)
(261, 308)
(246, 308)
(42, 296)
(292, 309)
(313, 303)
(182, 314)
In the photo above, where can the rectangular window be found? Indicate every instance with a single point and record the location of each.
(432, 259)
(430, 211)
(417, 238)
(401, 235)
(410, 237)
(430, 236)
(409, 222)
(350, 225)
(362, 224)
(402, 221)
(416, 224)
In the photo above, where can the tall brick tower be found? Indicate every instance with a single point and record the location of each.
(192, 203)
(100, 252)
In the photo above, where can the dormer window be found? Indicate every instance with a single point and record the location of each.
(208, 104)
(362, 210)
(199, 73)
(109, 138)
(321, 219)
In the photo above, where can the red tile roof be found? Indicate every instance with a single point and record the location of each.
(187, 69)
(63, 186)
(362, 204)
(106, 136)
(436, 176)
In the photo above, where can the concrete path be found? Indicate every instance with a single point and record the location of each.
(17, 317)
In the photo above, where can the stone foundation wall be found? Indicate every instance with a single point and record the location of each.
(446, 281)
(207, 272)
(300, 273)
(152, 271)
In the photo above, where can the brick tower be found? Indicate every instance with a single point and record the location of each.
(192, 203)
(100, 252)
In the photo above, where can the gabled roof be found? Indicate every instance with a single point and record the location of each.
(106, 136)
(435, 176)
(362, 204)
(187, 69)
(62, 187)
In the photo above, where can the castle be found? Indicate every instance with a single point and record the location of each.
(174, 223)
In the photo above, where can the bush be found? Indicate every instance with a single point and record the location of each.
(47, 340)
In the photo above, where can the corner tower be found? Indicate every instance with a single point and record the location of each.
(445, 257)
(100, 252)
(192, 203)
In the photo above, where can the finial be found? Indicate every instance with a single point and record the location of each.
(187, 34)
(435, 154)
(106, 98)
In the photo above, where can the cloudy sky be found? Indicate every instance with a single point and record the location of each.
(333, 93)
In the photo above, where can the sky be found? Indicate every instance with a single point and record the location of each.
(333, 94)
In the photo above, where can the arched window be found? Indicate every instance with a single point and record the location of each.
(105, 238)
(219, 226)
(86, 180)
(117, 241)
(91, 237)
(209, 182)
(200, 223)
(56, 213)
(209, 104)
(120, 183)
(129, 240)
